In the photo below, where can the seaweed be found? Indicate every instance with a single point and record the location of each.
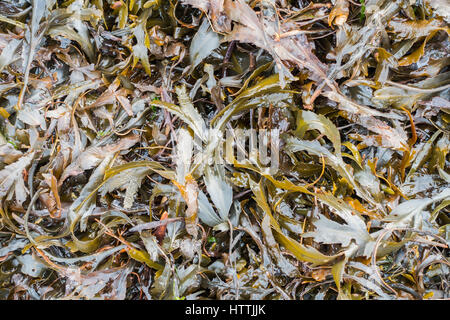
(224, 149)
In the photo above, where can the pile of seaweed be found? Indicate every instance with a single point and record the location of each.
(103, 197)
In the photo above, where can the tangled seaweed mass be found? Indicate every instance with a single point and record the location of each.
(126, 172)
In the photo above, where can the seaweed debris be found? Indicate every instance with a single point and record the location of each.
(126, 172)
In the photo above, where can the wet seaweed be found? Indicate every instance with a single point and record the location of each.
(129, 167)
